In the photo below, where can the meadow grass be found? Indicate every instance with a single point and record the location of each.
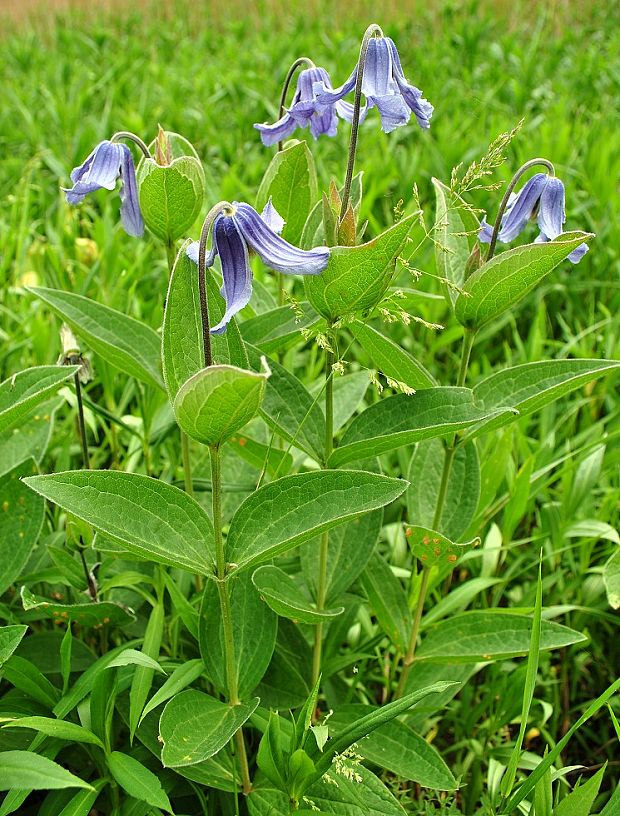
(74, 80)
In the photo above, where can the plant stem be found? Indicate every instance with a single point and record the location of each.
(225, 608)
(321, 592)
(468, 342)
(80, 418)
(357, 105)
(202, 284)
(187, 464)
(504, 203)
(287, 81)
(126, 134)
(413, 640)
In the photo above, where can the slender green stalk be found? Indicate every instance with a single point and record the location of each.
(504, 202)
(413, 640)
(126, 134)
(81, 422)
(287, 81)
(321, 593)
(371, 31)
(468, 342)
(225, 608)
(187, 464)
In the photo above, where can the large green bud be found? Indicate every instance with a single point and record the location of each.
(171, 187)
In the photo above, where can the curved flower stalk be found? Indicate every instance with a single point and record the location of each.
(108, 162)
(541, 198)
(306, 111)
(384, 86)
(239, 229)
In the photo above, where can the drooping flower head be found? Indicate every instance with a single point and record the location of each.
(305, 111)
(542, 198)
(108, 162)
(384, 86)
(237, 231)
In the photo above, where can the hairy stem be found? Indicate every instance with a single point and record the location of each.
(287, 81)
(371, 31)
(504, 203)
(321, 592)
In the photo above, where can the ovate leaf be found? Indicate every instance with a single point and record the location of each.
(509, 276)
(10, 638)
(473, 636)
(611, 579)
(286, 598)
(136, 780)
(22, 391)
(148, 517)
(456, 230)
(291, 510)
(218, 401)
(404, 419)
(27, 770)
(390, 358)
(21, 519)
(122, 341)
(356, 278)
(195, 726)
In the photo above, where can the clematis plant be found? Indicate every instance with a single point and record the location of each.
(305, 110)
(541, 198)
(102, 168)
(239, 229)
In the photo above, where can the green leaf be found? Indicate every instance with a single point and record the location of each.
(21, 519)
(171, 197)
(10, 638)
(143, 675)
(148, 517)
(401, 420)
(95, 614)
(356, 278)
(27, 770)
(218, 401)
(57, 728)
(290, 181)
(181, 344)
(390, 358)
(132, 657)
(463, 492)
(22, 391)
(434, 549)
(349, 391)
(82, 803)
(455, 232)
(509, 276)
(473, 636)
(254, 626)
(531, 386)
(397, 748)
(580, 801)
(26, 677)
(289, 409)
(369, 723)
(287, 599)
(136, 780)
(267, 457)
(279, 328)
(314, 228)
(388, 601)
(195, 726)
(611, 579)
(124, 342)
(291, 510)
(183, 676)
(30, 438)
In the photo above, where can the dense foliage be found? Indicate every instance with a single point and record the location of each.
(357, 552)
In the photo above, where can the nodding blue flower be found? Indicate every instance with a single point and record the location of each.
(305, 111)
(541, 197)
(237, 231)
(385, 87)
(108, 162)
